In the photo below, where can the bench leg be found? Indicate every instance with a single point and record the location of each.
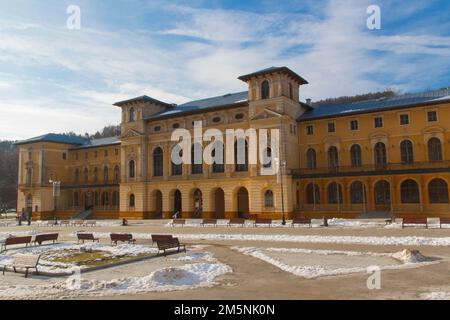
(4, 268)
(15, 271)
(26, 272)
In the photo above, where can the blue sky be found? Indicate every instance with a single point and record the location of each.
(53, 79)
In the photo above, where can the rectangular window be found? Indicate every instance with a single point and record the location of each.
(76, 156)
(331, 127)
(404, 119)
(95, 154)
(116, 152)
(64, 156)
(85, 155)
(378, 122)
(354, 125)
(106, 153)
(309, 130)
(432, 116)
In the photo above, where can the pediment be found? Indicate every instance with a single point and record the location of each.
(131, 134)
(266, 114)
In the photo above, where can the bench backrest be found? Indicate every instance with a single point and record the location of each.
(78, 222)
(91, 222)
(26, 260)
(415, 220)
(444, 220)
(46, 237)
(301, 220)
(18, 240)
(85, 236)
(237, 221)
(161, 237)
(121, 236)
(64, 222)
(168, 242)
(261, 220)
(209, 221)
(179, 221)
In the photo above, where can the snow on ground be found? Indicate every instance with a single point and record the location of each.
(57, 250)
(365, 240)
(202, 273)
(435, 296)
(318, 263)
(316, 223)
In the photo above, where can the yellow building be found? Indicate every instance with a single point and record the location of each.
(371, 158)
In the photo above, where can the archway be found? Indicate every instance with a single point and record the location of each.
(242, 203)
(177, 202)
(29, 203)
(383, 195)
(198, 203)
(158, 204)
(219, 204)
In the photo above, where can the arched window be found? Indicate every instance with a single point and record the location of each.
(219, 152)
(76, 199)
(265, 90)
(407, 152)
(438, 191)
(132, 201)
(116, 174)
(158, 162)
(131, 169)
(312, 194)
(355, 155)
(268, 199)
(434, 149)
(334, 193)
(95, 175)
(357, 192)
(177, 169)
(382, 193)
(105, 199)
(77, 175)
(333, 158)
(105, 174)
(409, 190)
(380, 155)
(241, 155)
(86, 175)
(267, 158)
(115, 199)
(29, 175)
(197, 158)
(132, 115)
(311, 161)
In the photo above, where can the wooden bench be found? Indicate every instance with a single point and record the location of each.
(40, 238)
(180, 222)
(236, 221)
(16, 240)
(90, 223)
(211, 222)
(170, 243)
(86, 236)
(64, 223)
(301, 221)
(261, 221)
(78, 223)
(415, 221)
(25, 262)
(443, 221)
(123, 237)
(50, 223)
(161, 237)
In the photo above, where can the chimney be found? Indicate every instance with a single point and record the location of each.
(308, 101)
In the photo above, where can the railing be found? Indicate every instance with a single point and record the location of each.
(373, 168)
(368, 207)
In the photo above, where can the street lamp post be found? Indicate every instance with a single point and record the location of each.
(281, 165)
(56, 192)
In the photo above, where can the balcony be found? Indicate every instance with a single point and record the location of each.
(372, 169)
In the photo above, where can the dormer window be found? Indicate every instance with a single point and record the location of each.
(239, 116)
(132, 115)
(265, 90)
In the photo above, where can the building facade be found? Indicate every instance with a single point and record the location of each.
(367, 158)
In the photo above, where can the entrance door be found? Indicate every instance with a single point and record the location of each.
(177, 202)
(219, 204)
(242, 203)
